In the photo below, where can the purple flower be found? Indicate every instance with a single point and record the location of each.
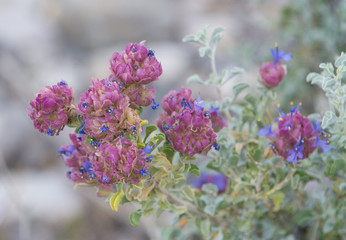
(139, 95)
(107, 114)
(155, 105)
(280, 55)
(135, 65)
(266, 131)
(272, 74)
(323, 144)
(119, 161)
(199, 104)
(296, 138)
(77, 157)
(295, 153)
(217, 122)
(217, 179)
(51, 108)
(190, 131)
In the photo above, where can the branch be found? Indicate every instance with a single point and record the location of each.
(282, 183)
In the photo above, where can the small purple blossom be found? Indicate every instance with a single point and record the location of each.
(51, 108)
(296, 137)
(295, 153)
(199, 104)
(280, 55)
(217, 179)
(323, 144)
(77, 157)
(155, 105)
(266, 131)
(189, 130)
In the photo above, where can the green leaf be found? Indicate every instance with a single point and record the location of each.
(277, 197)
(194, 169)
(211, 203)
(204, 51)
(134, 217)
(329, 82)
(226, 104)
(251, 99)
(304, 216)
(148, 130)
(294, 182)
(340, 61)
(188, 193)
(328, 67)
(329, 118)
(229, 74)
(190, 38)
(204, 227)
(216, 36)
(195, 79)
(280, 174)
(244, 226)
(210, 188)
(328, 226)
(116, 199)
(168, 150)
(315, 78)
(238, 88)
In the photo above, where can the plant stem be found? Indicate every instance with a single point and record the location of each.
(191, 208)
(282, 183)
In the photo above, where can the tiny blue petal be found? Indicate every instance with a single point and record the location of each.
(266, 131)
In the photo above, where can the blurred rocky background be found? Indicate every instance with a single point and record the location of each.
(45, 41)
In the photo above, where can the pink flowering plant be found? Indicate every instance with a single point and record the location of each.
(240, 167)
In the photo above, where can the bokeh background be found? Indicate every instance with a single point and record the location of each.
(45, 41)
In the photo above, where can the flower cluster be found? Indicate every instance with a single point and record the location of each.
(77, 156)
(51, 108)
(187, 126)
(132, 69)
(272, 73)
(108, 126)
(296, 137)
(106, 111)
(119, 161)
(103, 164)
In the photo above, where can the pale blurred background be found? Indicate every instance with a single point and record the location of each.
(45, 41)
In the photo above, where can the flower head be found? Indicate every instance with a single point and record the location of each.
(135, 65)
(77, 157)
(272, 73)
(280, 55)
(296, 137)
(189, 130)
(217, 122)
(119, 161)
(106, 111)
(51, 108)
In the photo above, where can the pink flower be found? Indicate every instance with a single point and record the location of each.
(296, 138)
(189, 131)
(135, 65)
(106, 111)
(119, 161)
(51, 108)
(77, 157)
(272, 74)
